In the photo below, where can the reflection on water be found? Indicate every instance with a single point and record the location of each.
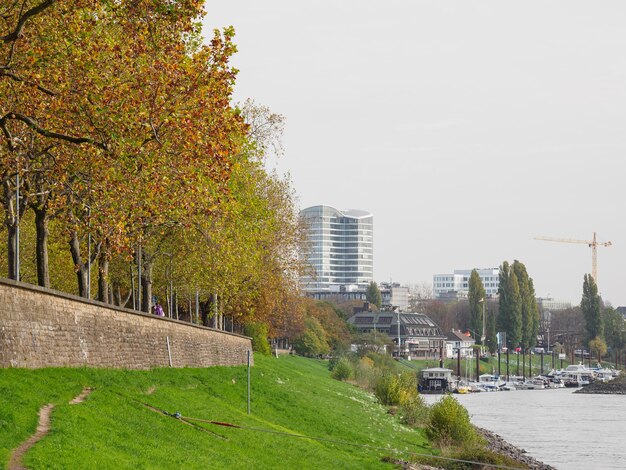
(559, 427)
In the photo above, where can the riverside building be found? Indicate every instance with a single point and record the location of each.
(341, 251)
(456, 285)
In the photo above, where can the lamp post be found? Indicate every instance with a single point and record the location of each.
(399, 340)
(17, 221)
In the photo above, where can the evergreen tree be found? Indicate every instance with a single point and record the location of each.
(590, 305)
(373, 295)
(477, 298)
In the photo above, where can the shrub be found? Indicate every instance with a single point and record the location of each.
(313, 341)
(342, 370)
(395, 389)
(449, 423)
(414, 411)
(258, 332)
(482, 455)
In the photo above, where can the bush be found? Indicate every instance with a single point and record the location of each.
(342, 370)
(482, 455)
(395, 389)
(449, 423)
(313, 341)
(258, 332)
(414, 412)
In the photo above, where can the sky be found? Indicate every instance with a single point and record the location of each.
(467, 128)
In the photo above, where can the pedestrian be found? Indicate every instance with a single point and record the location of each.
(159, 310)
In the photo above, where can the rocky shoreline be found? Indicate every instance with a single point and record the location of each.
(496, 444)
(616, 386)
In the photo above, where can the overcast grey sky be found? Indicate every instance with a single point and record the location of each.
(466, 127)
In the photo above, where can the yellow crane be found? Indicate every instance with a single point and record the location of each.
(593, 244)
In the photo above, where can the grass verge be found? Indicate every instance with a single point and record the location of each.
(113, 428)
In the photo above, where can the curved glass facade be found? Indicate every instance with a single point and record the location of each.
(341, 250)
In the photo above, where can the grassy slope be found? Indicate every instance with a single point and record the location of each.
(112, 429)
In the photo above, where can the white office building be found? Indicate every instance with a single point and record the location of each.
(341, 252)
(457, 283)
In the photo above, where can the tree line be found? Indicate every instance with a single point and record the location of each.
(128, 175)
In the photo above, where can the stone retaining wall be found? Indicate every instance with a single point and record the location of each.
(45, 328)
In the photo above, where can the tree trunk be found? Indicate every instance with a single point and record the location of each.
(146, 283)
(79, 266)
(43, 266)
(205, 309)
(11, 248)
(103, 274)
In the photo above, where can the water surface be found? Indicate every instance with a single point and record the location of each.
(564, 429)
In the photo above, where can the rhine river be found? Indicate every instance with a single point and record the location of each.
(564, 429)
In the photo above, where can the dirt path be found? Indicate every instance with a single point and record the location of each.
(81, 396)
(43, 428)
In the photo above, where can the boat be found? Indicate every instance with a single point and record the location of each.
(532, 384)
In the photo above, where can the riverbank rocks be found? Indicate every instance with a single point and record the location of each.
(496, 444)
(616, 386)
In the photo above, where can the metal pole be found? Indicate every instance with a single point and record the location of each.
(399, 340)
(248, 381)
(197, 307)
(507, 364)
(139, 276)
(171, 289)
(477, 365)
(89, 253)
(169, 352)
(17, 223)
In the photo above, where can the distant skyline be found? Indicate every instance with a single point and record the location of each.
(466, 128)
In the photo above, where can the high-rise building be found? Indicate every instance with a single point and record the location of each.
(341, 252)
(457, 283)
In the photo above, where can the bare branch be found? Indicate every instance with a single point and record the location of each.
(30, 122)
(17, 78)
(15, 34)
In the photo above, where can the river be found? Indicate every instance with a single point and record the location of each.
(564, 429)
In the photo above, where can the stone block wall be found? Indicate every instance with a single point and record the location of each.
(45, 328)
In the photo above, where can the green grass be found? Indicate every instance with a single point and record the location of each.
(113, 429)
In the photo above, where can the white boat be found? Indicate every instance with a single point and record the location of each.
(532, 384)
(577, 375)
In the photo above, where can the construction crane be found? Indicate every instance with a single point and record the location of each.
(593, 244)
